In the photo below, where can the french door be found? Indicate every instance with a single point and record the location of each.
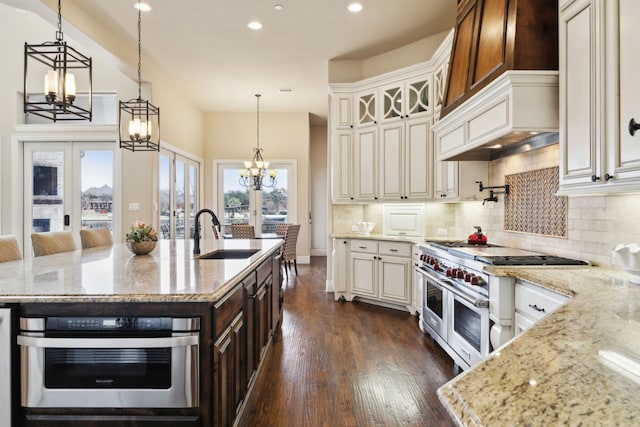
(67, 186)
(178, 199)
(263, 209)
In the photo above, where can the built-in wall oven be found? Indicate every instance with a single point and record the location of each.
(109, 362)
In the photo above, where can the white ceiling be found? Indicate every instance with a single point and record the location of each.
(222, 64)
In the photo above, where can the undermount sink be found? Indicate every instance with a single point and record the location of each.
(228, 254)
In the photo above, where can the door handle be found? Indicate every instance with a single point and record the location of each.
(67, 220)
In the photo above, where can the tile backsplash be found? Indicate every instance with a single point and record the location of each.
(595, 224)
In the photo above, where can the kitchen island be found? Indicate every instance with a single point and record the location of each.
(579, 365)
(236, 302)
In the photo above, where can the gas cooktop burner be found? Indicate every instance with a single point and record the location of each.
(529, 260)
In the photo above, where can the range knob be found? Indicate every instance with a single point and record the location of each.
(449, 272)
(460, 274)
(467, 277)
(475, 280)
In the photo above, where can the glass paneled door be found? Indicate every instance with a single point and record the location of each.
(178, 186)
(263, 209)
(67, 186)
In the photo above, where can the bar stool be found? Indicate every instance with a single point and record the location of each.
(52, 242)
(95, 237)
(10, 249)
(290, 243)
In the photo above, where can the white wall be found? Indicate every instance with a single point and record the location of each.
(319, 190)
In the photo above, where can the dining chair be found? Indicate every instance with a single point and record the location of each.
(242, 231)
(281, 229)
(95, 237)
(289, 252)
(52, 242)
(10, 249)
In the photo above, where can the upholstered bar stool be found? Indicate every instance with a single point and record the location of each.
(95, 237)
(9, 249)
(242, 231)
(52, 242)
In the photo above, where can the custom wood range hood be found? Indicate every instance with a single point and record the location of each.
(502, 84)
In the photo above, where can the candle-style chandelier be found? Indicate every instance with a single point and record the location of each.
(59, 99)
(139, 120)
(256, 173)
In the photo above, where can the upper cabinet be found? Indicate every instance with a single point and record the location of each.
(599, 97)
(407, 99)
(492, 36)
(367, 104)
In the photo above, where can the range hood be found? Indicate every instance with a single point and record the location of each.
(516, 112)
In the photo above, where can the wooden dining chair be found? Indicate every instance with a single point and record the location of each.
(95, 237)
(10, 249)
(289, 252)
(52, 242)
(242, 231)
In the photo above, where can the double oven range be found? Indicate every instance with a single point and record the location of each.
(467, 311)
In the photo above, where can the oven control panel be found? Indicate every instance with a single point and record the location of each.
(452, 271)
(108, 324)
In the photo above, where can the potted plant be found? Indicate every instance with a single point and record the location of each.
(141, 238)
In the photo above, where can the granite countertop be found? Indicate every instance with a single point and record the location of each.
(114, 274)
(559, 372)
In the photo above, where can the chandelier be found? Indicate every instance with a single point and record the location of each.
(256, 173)
(59, 59)
(139, 120)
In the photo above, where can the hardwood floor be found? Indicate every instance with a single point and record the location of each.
(347, 364)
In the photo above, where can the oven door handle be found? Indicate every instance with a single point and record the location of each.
(159, 342)
(476, 302)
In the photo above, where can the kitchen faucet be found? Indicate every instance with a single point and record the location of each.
(196, 231)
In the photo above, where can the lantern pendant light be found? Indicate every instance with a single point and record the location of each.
(139, 120)
(58, 102)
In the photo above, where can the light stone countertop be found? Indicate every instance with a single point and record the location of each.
(113, 274)
(382, 237)
(557, 372)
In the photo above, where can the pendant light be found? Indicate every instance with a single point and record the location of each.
(256, 173)
(56, 61)
(139, 120)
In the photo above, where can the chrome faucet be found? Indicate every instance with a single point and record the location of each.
(196, 231)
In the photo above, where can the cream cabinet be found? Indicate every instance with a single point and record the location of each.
(407, 99)
(375, 271)
(532, 303)
(342, 110)
(406, 157)
(417, 280)
(599, 149)
(365, 164)
(456, 181)
(367, 107)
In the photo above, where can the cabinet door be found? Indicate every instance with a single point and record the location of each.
(446, 180)
(395, 277)
(223, 376)
(365, 161)
(249, 309)
(342, 110)
(392, 161)
(418, 161)
(262, 318)
(363, 274)
(627, 153)
(342, 169)
(367, 108)
(579, 85)
(392, 102)
(418, 97)
(340, 265)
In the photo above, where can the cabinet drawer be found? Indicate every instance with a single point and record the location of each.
(395, 249)
(366, 246)
(536, 302)
(226, 310)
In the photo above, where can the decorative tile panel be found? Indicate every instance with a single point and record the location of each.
(532, 205)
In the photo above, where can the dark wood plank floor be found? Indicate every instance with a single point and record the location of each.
(347, 364)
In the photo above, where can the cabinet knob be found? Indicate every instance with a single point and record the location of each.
(608, 177)
(595, 178)
(633, 126)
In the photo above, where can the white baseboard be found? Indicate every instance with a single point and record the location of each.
(318, 252)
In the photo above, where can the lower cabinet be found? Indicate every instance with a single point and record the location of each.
(228, 385)
(379, 271)
(532, 303)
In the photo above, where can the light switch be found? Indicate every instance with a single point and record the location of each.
(134, 206)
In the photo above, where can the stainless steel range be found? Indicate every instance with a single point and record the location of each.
(467, 311)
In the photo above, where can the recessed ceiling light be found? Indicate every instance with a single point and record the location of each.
(144, 7)
(254, 25)
(285, 90)
(278, 7)
(355, 7)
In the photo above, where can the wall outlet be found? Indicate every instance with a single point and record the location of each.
(442, 231)
(134, 206)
